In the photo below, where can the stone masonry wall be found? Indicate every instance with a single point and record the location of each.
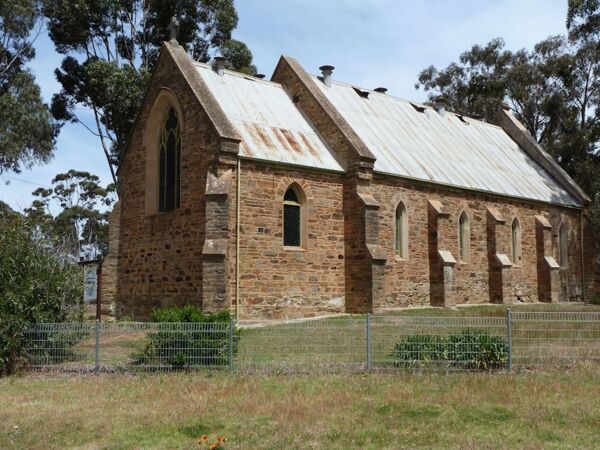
(276, 282)
(110, 265)
(160, 261)
(408, 281)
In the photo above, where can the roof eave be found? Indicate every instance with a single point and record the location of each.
(518, 133)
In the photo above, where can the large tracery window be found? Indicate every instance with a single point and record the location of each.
(292, 218)
(169, 163)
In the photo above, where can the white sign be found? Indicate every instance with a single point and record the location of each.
(90, 283)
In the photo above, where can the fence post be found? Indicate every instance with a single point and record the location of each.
(97, 359)
(509, 336)
(230, 352)
(368, 341)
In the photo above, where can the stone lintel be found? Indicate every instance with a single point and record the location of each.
(215, 247)
(495, 214)
(216, 185)
(503, 260)
(376, 252)
(446, 258)
(551, 263)
(439, 208)
(543, 221)
(368, 200)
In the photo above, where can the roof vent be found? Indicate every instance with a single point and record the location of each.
(418, 108)
(441, 104)
(505, 106)
(219, 65)
(381, 90)
(326, 71)
(260, 75)
(360, 92)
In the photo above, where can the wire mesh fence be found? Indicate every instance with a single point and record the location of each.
(129, 346)
(555, 338)
(350, 343)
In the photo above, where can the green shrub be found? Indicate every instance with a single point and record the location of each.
(470, 349)
(38, 283)
(187, 337)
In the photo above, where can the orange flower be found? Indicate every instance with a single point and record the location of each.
(204, 437)
(214, 446)
(220, 439)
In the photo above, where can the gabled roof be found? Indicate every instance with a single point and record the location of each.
(405, 139)
(270, 125)
(417, 142)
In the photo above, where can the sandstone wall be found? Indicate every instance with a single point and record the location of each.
(278, 282)
(160, 253)
(408, 281)
(110, 265)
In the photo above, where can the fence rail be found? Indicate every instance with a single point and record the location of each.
(354, 343)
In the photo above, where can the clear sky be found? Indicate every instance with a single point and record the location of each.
(371, 43)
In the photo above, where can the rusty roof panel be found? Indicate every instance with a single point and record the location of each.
(271, 126)
(442, 148)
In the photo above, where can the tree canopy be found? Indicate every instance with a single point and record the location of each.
(80, 227)
(26, 127)
(111, 46)
(554, 89)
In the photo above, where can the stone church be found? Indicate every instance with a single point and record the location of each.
(305, 196)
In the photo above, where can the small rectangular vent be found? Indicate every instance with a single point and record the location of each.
(418, 108)
(363, 94)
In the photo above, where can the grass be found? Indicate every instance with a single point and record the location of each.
(531, 410)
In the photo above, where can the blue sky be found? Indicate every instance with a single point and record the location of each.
(385, 43)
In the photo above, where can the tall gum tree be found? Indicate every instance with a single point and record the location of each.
(111, 46)
(27, 132)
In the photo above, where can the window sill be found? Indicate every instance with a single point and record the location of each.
(400, 259)
(162, 213)
(287, 248)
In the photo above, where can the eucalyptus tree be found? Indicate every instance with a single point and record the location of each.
(80, 224)
(26, 127)
(110, 48)
(554, 89)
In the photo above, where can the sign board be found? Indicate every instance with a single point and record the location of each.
(90, 283)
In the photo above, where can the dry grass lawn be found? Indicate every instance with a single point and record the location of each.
(407, 410)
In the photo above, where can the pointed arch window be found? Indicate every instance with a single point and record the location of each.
(293, 205)
(516, 242)
(563, 246)
(463, 237)
(169, 163)
(401, 231)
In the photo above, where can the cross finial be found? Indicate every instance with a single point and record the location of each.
(173, 28)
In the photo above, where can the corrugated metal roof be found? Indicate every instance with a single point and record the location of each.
(442, 148)
(271, 126)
